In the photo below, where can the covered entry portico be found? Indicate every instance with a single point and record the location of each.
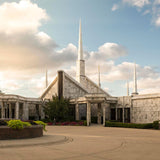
(103, 106)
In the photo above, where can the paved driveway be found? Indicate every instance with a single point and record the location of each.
(91, 143)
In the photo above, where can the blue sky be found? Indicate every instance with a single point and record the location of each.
(120, 32)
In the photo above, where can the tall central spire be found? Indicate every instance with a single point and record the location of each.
(80, 74)
(80, 47)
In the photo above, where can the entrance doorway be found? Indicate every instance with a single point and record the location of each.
(127, 115)
(120, 114)
(113, 114)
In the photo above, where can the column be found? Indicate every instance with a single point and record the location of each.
(17, 110)
(37, 112)
(10, 110)
(2, 110)
(116, 114)
(123, 118)
(99, 114)
(104, 115)
(25, 115)
(77, 112)
(42, 112)
(88, 113)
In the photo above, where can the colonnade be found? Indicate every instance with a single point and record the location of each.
(100, 111)
(15, 109)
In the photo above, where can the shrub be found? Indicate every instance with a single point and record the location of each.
(31, 122)
(128, 125)
(85, 123)
(26, 124)
(94, 119)
(41, 123)
(156, 124)
(3, 123)
(50, 123)
(18, 124)
(46, 120)
(73, 123)
(57, 108)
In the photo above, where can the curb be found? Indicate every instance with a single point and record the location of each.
(45, 140)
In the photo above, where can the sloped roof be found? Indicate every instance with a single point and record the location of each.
(49, 87)
(75, 82)
(93, 83)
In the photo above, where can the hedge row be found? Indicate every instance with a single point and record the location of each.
(154, 125)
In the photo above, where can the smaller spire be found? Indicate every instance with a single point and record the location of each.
(99, 80)
(46, 77)
(135, 81)
(127, 88)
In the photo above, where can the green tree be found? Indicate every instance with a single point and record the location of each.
(57, 108)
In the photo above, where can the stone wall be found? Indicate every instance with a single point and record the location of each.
(145, 108)
(124, 102)
(35, 111)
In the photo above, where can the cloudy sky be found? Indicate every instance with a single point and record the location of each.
(38, 34)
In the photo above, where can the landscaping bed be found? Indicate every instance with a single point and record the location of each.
(81, 123)
(68, 123)
(28, 132)
(17, 129)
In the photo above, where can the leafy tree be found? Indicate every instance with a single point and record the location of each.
(57, 108)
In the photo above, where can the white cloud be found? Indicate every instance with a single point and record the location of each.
(25, 51)
(137, 3)
(115, 7)
(151, 7)
(20, 17)
(156, 2)
(108, 51)
(156, 13)
(146, 12)
(149, 85)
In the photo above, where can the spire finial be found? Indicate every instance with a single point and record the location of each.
(80, 48)
(99, 80)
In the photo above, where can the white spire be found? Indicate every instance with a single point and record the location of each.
(135, 81)
(80, 74)
(99, 80)
(46, 78)
(127, 88)
(80, 48)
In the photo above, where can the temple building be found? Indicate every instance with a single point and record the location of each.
(88, 99)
